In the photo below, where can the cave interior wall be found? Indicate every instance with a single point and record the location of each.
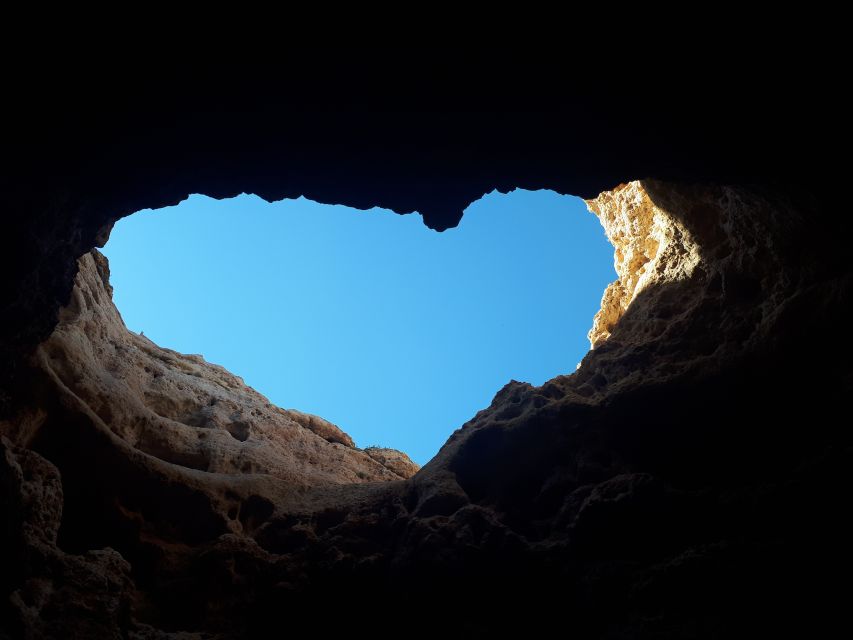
(690, 474)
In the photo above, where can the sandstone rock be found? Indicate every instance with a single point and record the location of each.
(650, 247)
(323, 428)
(692, 472)
(183, 410)
(57, 594)
(159, 448)
(396, 461)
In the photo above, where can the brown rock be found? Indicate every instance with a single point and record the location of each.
(693, 468)
(57, 594)
(323, 428)
(650, 247)
(395, 460)
(183, 410)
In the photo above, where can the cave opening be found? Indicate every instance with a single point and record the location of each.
(394, 332)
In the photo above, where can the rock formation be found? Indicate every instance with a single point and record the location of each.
(650, 247)
(54, 593)
(394, 460)
(185, 411)
(163, 421)
(198, 506)
(690, 479)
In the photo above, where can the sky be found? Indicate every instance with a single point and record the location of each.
(396, 333)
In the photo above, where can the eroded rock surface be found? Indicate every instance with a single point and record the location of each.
(689, 480)
(53, 593)
(650, 247)
(183, 410)
(396, 461)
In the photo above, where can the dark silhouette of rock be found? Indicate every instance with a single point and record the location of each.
(690, 479)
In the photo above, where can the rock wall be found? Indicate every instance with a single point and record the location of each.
(689, 480)
(650, 246)
(182, 410)
(156, 449)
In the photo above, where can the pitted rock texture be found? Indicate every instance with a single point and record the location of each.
(650, 247)
(50, 587)
(183, 410)
(396, 461)
(689, 480)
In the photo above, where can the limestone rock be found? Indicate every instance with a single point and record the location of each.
(396, 461)
(183, 410)
(692, 470)
(54, 594)
(323, 428)
(650, 247)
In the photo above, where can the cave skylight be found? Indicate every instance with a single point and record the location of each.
(394, 332)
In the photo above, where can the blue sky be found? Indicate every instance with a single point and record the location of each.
(394, 332)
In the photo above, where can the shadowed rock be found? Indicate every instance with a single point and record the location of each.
(605, 495)
(690, 480)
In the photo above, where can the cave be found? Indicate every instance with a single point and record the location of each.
(687, 481)
(326, 308)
